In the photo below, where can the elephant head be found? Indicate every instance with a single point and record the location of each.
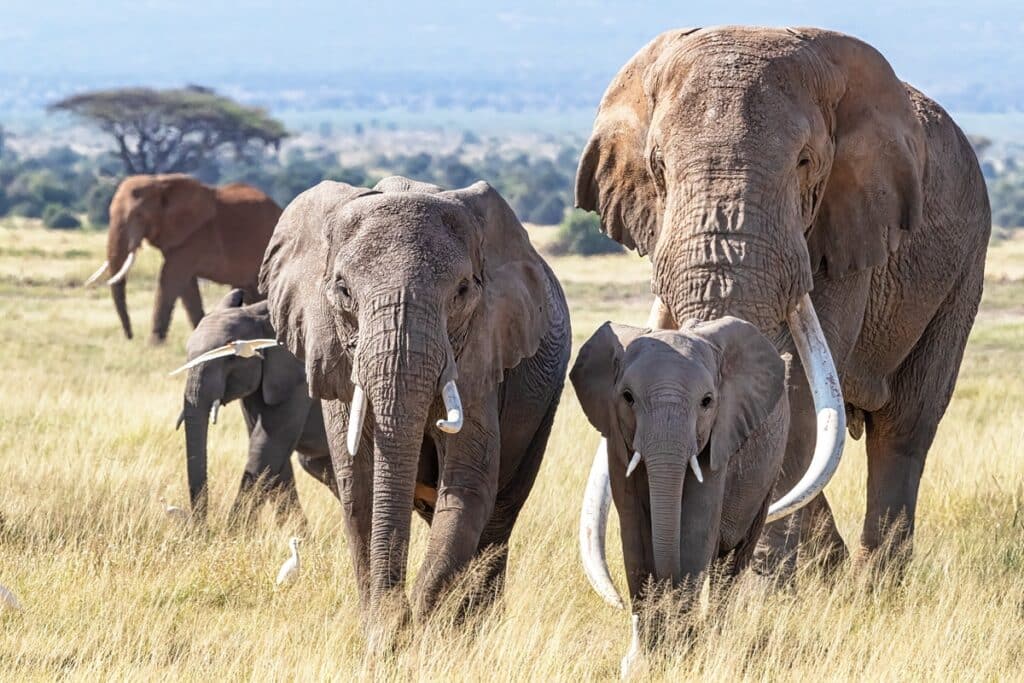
(745, 161)
(163, 209)
(400, 299)
(219, 374)
(705, 405)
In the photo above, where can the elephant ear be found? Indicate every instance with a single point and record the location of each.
(596, 371)
(187, 206)
(232, 299)
(296, 267)
(752, 379)
(514, 314)
(613, 178)
(874, 191)
(282, 375)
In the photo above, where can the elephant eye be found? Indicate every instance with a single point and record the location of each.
(342, 288)
(627, 396)
(463, 288)
(706, 401)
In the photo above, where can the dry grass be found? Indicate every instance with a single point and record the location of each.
(113, 589)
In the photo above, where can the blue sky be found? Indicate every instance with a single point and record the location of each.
(928, 42)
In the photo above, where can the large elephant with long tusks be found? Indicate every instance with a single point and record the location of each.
(233, 356)
(439, 340)
(787, 177)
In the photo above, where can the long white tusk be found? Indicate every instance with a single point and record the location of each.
(453, 404)
(96, 276)
(828, 403)
(124, 269)
(634, 647)
(214, 409)
(356, 415)
(633, 462)
(597, 499)
(244, 348)
(695, 466)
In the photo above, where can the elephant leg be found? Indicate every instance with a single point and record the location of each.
(321, 469)
(192, 301)
(286, 494)
(174, 278)
(355, 486)
(901, 432)
(510, 500)
(465, 502)
(820, 540)
(272, 439)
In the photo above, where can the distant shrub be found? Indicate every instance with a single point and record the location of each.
(549, 212)
(97, 202)
(59, 218)
(27, 208)
(580, 233)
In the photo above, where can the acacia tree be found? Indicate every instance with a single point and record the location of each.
(176, 130)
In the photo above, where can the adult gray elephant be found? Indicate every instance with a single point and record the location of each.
(787, 176)
(228, 362)
(430, 312)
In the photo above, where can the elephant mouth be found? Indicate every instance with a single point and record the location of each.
(823, 379)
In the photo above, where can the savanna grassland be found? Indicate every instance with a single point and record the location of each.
(114, 589)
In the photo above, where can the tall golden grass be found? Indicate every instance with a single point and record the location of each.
(114, 589)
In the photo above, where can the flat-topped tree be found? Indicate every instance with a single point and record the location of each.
(175, 130)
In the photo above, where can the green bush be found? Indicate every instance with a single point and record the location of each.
(580, 233)
(549, 212)
(27, 208)
(97, 202)
(59, 218)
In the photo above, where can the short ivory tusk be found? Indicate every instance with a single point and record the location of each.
(96, 276)
(597, 499)
(695, 466)
(124, 270)
(828, 404)
(453, 404)
(633, 462)
(356, 415)
(214, 409)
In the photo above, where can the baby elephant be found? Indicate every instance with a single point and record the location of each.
(695, 422)
(280, 415)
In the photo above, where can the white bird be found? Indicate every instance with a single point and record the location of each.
(8, 600)
(173, 511)
(290, 569)
(245, 348)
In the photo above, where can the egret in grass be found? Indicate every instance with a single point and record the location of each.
(173, 511)
(290, 569)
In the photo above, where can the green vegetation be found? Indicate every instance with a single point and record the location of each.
(580, 233)
(178, 130)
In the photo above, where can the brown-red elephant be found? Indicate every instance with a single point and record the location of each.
(788, 177)
(216, 233)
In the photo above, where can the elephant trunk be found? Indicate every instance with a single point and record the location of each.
(666, 459)
(196, 427)
(121, 250)
(203, 390)
(400, 359)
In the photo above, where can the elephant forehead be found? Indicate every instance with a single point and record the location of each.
(405, 229)
(671, 355)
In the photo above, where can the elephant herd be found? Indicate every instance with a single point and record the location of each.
(817, 230)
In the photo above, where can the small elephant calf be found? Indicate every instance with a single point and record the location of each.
(696, 421)
(280, 415)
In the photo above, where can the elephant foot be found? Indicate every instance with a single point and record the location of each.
(157, 340)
